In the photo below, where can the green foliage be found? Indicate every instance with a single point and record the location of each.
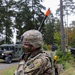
(57, 38)
(28, 16)
(73, 38)
(22, 15)
(8, 71)
(49, 30)
(46, 47)
(63, 58)
(6, 14)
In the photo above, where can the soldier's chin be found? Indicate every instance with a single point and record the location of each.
(26, 51)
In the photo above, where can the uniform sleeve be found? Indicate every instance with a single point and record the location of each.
(47, 66)
(19, 70)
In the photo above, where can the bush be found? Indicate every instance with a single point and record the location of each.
(63, 58)
(46, 47)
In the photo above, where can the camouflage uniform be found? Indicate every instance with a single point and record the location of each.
(38, 62)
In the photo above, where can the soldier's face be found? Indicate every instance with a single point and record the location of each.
(27, 48)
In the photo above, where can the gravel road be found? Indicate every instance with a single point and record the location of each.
(3, 65)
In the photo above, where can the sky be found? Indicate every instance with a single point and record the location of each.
(53, 5)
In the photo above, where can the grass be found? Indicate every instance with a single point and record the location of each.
(8, 71)
(70, 69)
(1, 60)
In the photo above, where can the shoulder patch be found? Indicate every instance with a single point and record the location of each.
(33, 65)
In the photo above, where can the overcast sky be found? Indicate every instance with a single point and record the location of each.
(52, 4)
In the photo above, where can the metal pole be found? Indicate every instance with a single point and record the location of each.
(62, 27)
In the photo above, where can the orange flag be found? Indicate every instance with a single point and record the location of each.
(47, 12)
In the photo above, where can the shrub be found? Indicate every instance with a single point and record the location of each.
(46, 47)
(63, 58)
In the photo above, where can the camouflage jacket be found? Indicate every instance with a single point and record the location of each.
(37, 64)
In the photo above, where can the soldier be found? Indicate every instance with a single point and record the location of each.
(34, 60)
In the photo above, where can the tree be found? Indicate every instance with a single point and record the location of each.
(68, 7)
(71, 36)
(28, 15)
(57, 36)
(49, 30)
(6, 14)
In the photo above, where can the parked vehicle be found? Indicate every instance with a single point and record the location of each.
(10, 51)
(72, 51)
